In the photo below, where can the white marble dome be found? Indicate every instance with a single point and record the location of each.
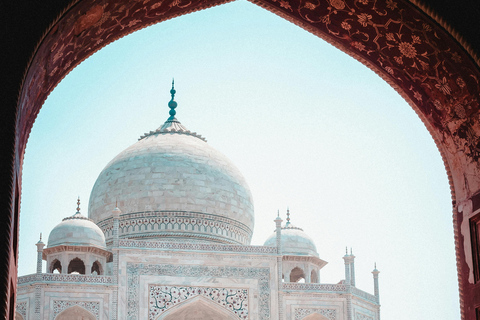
(172, 185)
(294, 241)
(77, 230)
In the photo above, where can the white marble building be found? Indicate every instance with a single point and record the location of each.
(168, 237)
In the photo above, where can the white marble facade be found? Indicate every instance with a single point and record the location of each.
(168, 237)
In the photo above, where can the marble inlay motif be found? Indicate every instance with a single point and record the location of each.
(161, 298)
(22, 309)
(60, 305)
(135, 270)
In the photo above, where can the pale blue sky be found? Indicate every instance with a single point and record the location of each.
(308, 126)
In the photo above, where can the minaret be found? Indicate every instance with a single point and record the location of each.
(375, 273)
(278, 229)
(352, 268)
(346, 258)
(40, 246)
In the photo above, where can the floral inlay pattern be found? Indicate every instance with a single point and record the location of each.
(60, 305)
(21, 308)
(162, 298)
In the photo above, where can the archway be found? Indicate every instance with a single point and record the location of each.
(96, 268)
(198, 308)
(76, 266)
(315, 316)
(55, 266)
(452, 124)
(296, 275)
(75, 313)
(18, 316)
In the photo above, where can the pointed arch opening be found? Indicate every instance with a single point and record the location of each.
(297, 275)
(76, 266)
(75, 313)
(55, 266)
(96, 268)
(315, 316)
(462, 196)
(198, 308)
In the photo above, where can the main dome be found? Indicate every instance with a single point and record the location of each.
(171, 184)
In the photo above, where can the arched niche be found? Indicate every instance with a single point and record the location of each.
(55, 266)
(76, 266)
(75, 313)
(315, 316)
(96, 268)
(297, 274)
(198, 308)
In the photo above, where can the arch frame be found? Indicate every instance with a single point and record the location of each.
(171, 313)
(453, 127)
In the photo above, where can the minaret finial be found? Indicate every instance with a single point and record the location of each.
(278, 213)
(351, 251)
(40, 236)
(346, 251)
(172, 104)
(288, 215)
(78, 204)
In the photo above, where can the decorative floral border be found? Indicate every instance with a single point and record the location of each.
(162, 298)
(136, 270)
(61, 305)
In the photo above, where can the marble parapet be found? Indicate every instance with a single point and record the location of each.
(64, 278)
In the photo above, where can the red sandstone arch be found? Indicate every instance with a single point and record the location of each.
(396, 39)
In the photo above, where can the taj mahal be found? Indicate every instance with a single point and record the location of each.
(168, 232)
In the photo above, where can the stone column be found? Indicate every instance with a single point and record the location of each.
(40, 246)
(278, 230)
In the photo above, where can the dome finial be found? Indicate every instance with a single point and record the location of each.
(78, 204)
(288, 215)
(172, 104)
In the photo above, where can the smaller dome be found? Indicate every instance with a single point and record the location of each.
(77, 230)
(295, 241)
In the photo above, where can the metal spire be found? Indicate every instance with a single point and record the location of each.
(288, 215)
(172, 104)
(78, 204)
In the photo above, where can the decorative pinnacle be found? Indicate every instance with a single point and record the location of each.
(78, 205)
(172, 104)
(40, 236)
(346, 251)
(288, 215)
(351, 251)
